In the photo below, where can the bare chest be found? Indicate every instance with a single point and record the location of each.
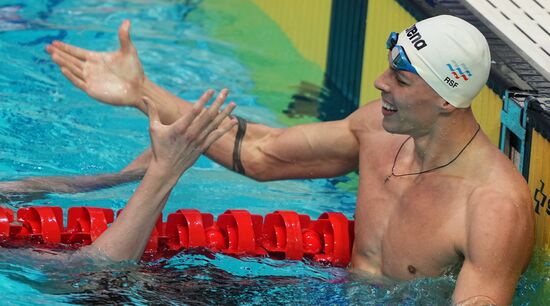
(406, 227)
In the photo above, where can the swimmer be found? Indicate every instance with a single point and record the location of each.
(433, 192)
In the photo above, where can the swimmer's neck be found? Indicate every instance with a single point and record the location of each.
(443, 141)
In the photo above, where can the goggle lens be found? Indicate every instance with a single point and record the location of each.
(392, 40)
(398, 57)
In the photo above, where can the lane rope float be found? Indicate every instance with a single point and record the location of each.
(280, 235)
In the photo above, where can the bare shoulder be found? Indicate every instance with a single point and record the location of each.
(491, 173)
(499, 244)
(367, 118)
(501, 178)
(490, 204)
(499, 216)
(500, 190)
(499, 212)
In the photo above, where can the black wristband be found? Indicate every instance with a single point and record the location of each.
(241, 130)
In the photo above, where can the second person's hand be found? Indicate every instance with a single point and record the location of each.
(177, 146)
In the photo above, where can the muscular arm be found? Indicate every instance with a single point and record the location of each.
(498, 248)
(307, 151)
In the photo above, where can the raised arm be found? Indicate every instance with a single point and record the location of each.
(498, 248)
(306, 151)
(175, 148)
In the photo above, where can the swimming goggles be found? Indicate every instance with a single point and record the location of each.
(398, 57)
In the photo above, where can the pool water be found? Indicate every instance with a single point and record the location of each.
(48, 127)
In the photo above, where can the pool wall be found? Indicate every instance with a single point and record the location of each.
(537, 170)
(538, 163)
(310, 26)
(306, 22)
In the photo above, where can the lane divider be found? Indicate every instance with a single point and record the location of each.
(281, 235)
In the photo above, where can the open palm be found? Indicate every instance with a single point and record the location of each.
(111, 77)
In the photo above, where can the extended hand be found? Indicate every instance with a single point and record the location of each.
(112, 77)
(178, 145)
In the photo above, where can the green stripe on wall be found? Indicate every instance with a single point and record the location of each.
(276, 67)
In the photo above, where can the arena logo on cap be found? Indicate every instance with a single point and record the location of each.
(416, 39)
(458, 72)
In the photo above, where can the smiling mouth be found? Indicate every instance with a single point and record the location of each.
(388, 106)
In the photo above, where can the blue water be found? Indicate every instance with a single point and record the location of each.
(48, 127)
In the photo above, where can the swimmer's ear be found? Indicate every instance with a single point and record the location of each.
(446, 107)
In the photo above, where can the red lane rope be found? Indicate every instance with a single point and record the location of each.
(280, 235)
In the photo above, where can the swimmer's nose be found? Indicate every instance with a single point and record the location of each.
(380, 82)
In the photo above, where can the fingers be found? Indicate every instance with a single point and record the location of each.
(70, 59)
(184, 122)
(206, 96)
(218, 133)
(70, 62)
(215, 123)
(79, 53)
(202, 126)
(124, 37)
(219, 101)
(74, 79)
(207, 116)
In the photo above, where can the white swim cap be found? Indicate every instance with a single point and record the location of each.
(451, 55)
